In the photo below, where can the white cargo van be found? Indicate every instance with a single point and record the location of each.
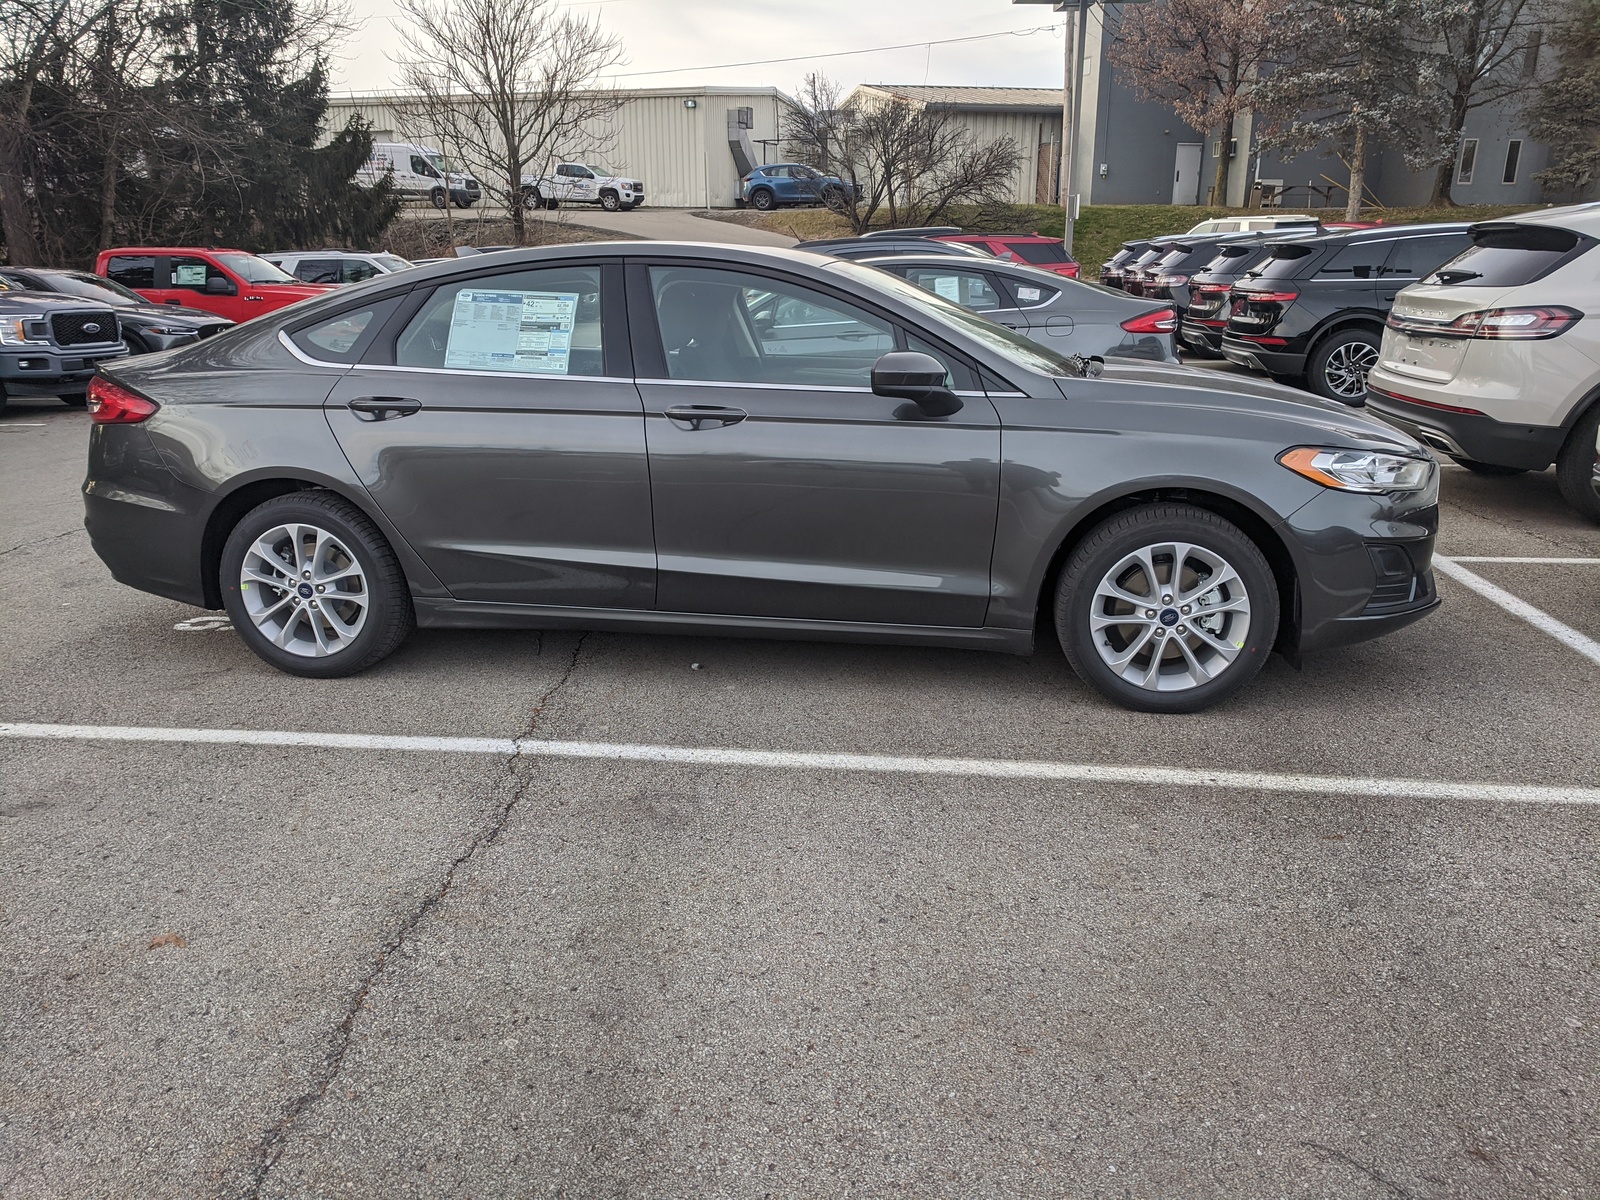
(419, 174)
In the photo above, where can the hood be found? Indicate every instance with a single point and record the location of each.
(1200, 387)
(18, 300)
(172, 313)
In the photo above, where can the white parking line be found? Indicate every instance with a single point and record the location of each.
(1538, 618)
(1559, 562)
(791, 760)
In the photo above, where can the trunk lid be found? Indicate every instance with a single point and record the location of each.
(1414, 344)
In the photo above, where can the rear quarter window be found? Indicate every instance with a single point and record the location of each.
(343, 338)
(1512, 255)
(1357, 260)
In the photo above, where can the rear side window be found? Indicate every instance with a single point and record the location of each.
(1511, 255)
(1039, 252)
(1358, 260)
(134, 271)
(342, 339)
(966, 288)
(317, 270)
(1412, 258)
(544, 322)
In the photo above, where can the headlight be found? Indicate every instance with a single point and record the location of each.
(14, 331)
(165, 332)
(1359, 470)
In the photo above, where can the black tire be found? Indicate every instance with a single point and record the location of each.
(1490, 469)
(389, 616)
(552, 204)
(75, 399)
(610, 201)
(463, 201)
(1578, 465)
(532, 199)
(1120, 536)
(437, 198)
(3, 400)
(763, 200)
(135, 344)
(1339, 360)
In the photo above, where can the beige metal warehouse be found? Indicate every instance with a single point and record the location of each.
(681, 142)
(1031, 116)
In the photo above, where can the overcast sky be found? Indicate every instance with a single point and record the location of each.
(664, 34)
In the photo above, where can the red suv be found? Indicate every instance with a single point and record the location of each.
(1046, 253)
(231, 283)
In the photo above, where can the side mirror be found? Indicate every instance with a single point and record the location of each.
(216, 285)
(919, 378)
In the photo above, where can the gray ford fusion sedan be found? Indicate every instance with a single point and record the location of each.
(723, 439)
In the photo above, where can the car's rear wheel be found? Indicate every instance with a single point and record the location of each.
(313, 587)
(1167, 608)
(1483, 468)
(1578, 465)
(763, 200)
(1338, 366)
(464, 201)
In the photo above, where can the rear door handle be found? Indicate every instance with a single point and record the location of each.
(381, 408)
(705, 416)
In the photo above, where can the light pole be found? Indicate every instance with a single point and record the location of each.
(1071, 92)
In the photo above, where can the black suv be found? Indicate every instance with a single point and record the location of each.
(1113, 270)
(1171, 276)
(1312, 312)
(1206, 314)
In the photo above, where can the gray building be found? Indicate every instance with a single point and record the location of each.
(1136, 151)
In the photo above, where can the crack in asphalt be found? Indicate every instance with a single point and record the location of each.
(54, 537)
(1372, 1173)
(275, 1140)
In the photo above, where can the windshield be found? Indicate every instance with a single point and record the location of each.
(92, 287)
(1012, 346)
(443, 165)
(393, 261)
(254, 269)
(1039, 252)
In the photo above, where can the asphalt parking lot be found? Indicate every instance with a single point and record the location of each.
(1337, 939)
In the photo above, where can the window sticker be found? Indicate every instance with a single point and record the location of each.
(948, 286)
(189, 275)
(1027, 293)
(512, 331)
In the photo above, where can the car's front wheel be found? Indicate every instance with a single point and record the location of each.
(1339, 365)
(610, 201)
(437, 198)
(313, 587)
(1167, 608)
(1578, 465)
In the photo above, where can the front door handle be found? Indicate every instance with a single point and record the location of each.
(381, 408)
(705, 416)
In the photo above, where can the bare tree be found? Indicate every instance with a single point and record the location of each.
(911, 161)
(512, 84)
(1202, 58)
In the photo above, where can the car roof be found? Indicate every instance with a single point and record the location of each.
(1381, 233)
(178, 250)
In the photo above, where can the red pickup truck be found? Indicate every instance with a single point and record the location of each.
(231, 283)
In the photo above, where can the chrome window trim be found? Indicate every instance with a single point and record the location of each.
(288, 344)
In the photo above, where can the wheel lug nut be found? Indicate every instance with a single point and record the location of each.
(305, 574)
(321, 589)
(1166, 599)
(1150, 614)
(1184, 609)
(1181, 629)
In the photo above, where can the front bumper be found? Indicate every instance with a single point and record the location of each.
(1469, 435)
(1365, 565)
(46, 371)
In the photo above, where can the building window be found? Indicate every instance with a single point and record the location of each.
(1530, 56)
(1513, 161)
(1469, 159)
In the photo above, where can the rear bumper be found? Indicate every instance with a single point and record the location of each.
(1469, 435)
(1274, 360)
(146, 526)
(1207, 339)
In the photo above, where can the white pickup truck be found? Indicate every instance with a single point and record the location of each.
(575, 183)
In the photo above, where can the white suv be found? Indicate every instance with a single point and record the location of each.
(336, 266)
(1494, 359)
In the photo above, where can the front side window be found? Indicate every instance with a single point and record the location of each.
(966, 288)
(133, 271)
(544, 322)
(354, 270)
(727, 326)
(421, 166)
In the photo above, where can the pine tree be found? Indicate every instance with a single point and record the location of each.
(1566, 115)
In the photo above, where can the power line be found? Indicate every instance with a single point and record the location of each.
(764, 62)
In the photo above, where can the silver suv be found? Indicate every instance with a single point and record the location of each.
(336, 266)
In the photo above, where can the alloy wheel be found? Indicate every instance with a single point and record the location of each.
(304, 590)
(1170, 616)
(1347, 367)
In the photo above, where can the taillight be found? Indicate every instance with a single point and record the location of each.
(1161, 320)
(1211, 289)
(1171, 280)
(1268, 297)
(110, 404)
(1531, 324)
